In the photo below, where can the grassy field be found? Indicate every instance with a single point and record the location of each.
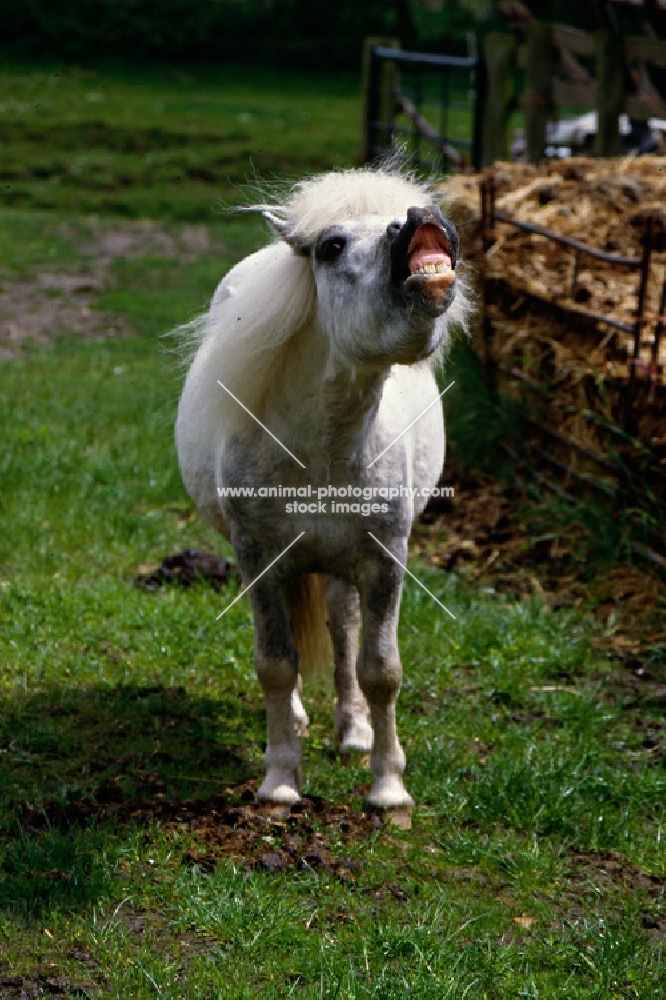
(165, 143)
(132, 863)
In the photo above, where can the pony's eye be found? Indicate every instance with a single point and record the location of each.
(329, 250)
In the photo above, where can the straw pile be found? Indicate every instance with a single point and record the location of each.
(601, 202)
(544, 336)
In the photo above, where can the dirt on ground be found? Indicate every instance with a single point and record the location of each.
(230, 825)
(35, 311)
(321, 837)
(50, 302)
(56, 987)
(483, 533)
(184, 569)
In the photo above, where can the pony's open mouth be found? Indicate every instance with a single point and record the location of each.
(423, 258)
(428, 252)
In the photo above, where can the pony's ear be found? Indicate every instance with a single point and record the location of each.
(283, 228)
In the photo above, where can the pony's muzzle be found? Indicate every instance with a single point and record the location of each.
(423, 258)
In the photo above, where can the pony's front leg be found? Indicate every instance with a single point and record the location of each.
(380, 675)
(352, 720)
(276, 663)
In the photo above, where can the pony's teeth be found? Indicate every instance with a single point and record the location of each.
(439, 268)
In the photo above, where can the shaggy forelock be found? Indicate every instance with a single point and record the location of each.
(340, 196)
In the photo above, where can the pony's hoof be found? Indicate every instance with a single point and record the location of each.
(279, 790)
(276, 810)
(358, 738)
(388, 794)
(400, 816)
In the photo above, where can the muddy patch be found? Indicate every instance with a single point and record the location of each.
(43, 986)
(591, 874)
(145, 238)
(310, 836)
(184, 569)
(490, 536)
(607, 870)
(37, 309)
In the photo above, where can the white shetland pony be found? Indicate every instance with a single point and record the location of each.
(315, 356)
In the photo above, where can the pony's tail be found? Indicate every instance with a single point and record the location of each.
(308, 615)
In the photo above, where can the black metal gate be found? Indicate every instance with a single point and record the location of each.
(405, 91)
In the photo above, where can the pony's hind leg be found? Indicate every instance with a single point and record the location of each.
(352, 718)
(380, 675)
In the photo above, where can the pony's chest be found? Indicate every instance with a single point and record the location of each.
(333, 511)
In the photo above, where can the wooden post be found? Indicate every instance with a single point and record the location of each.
(499, 53)
(610, 91)
(488, 237)
(377, 102)
(541, 66)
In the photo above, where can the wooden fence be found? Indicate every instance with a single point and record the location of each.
(543, 77)
(555, 79)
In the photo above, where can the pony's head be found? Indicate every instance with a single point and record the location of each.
(383, 260)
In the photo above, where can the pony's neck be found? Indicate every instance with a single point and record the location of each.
(349, 399)
(332, 404)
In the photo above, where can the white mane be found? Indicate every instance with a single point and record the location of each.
(266, 299)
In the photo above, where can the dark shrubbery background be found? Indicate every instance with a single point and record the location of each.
(283, 33)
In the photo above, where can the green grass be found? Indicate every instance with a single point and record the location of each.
(521, 757)
(539, 784)
(165, 143)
